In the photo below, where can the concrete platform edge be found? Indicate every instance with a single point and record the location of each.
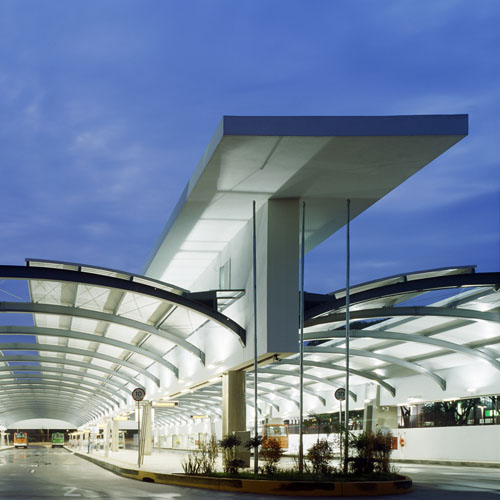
(269, 487)
(456, 463)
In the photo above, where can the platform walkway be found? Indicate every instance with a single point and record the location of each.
(161, 461)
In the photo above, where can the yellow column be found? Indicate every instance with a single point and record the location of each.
(233, 402)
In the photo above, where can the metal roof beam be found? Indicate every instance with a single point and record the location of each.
(52, 369)
(77, 312)
(329, 302)
(306, 376)
(34, 376)
(404, 337)
(63, 361)
(44, 388)
(18, 346)
(340, 368)
(383, 357)
(415, 311)
(129, 285)
(71, 334)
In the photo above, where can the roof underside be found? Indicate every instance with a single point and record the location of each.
(319, 160)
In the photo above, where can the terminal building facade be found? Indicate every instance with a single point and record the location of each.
(424, 348)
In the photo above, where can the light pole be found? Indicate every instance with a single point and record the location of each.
(347, 333)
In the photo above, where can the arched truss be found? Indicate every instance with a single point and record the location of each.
(339, 368)
(75, 312)
(201, 303)
(385, 299)
(54, 409)
(44, 387)
(19, 346)
(405, 337)
(307, 376)
(394, 288)
(382, 357)
(94, 307)
(91, 387)
(26, 413)
(26, 369)
(388, 292)
(61, 402)
(71, 334)
(392, 312)
(281, 383)
(127, 379)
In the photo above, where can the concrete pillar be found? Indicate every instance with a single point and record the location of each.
(278, 276)
(233, 402)
(114, 436)
(106, 438)
(377, 416)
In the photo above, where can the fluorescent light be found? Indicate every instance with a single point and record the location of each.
(165, 404)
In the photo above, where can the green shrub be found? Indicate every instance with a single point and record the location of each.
(271, 452)
(209, 451)
(192, 465)
(231, 464)
(319, 455)
(373, 451)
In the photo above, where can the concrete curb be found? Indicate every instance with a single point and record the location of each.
(263, 487)
(456, 463)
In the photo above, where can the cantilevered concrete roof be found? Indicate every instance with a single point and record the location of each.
(322, 160)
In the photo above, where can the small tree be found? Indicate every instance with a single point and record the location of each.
(271, 452)
(192, 464)
(231, 464)
(320, 455)
(373, 450)
(209, 451)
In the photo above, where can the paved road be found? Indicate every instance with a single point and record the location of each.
(40, 473)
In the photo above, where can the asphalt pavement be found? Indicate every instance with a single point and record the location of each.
(40, 472)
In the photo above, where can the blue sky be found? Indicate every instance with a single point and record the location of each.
(107, 106)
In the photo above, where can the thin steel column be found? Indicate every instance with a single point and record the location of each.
(301, 343)
(255, 388)
(347, 335)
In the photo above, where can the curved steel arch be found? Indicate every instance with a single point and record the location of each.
(190, 406)
(52, 369)
(76, 312)
(18, 346)
(404, 337)
(46, 387)
(383, 357)
(340, 368)
(34, 376)
(415, 311)
(28, 415)
(65, 275)
(61, 402)
(306, 376)
(287, 385)
(278, 394)
(72, 362)
(71, 334)
(329, 302)
(218, 399)
(56, 403)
